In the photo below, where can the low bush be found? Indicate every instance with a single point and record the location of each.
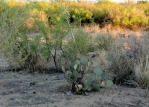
(105, 41)
(25, 50)
(3, 6)
(131, 17)
(80, 14)
(78, 43)
(141, 66)
(15, 44)
(129, 62)
(121, 64)
(141, 70)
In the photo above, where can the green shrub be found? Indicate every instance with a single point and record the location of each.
(80, 14)
(131, 16)
(11, 21)
(60, 28)
(25, 50)
(77, 43)
(102, 11)
(55, 14)
(3, 6)
(147, 12)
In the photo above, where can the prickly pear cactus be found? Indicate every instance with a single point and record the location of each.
(84, 77)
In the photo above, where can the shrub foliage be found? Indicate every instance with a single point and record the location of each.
(132, 16)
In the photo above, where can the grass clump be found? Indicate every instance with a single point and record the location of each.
(141, 67)
(129, 61)
(104, 41)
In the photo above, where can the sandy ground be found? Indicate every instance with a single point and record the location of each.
(52, 90)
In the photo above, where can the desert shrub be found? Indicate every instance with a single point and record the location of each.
(51, 20)
(77, 43)
(42, 6)
(34, 15)
(58, 13)
(84, 77)
(26, 52)
(80, 14)
(13, 3)
(141, 70)
(26, 49)
(11, 21)
(102, 11)
(23, 50)
(131, 18)
(129, 61)
(141, 66)
(143, 7)
(60, 28)
(102, 17)
(147, 12)
(121, 64)
(50, 39)
(104, 41)
(3, 6)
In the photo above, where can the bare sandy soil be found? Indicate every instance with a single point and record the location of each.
(52, 90)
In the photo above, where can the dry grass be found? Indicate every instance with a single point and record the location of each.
(141, 71)
(141, 67)
(129, 60)
(121, 63)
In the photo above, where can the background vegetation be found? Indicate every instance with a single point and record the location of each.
(130, 16)
(44, 32)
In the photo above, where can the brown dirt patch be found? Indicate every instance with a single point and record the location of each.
(52, 90)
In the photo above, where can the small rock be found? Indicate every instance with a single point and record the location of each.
(32, 84)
